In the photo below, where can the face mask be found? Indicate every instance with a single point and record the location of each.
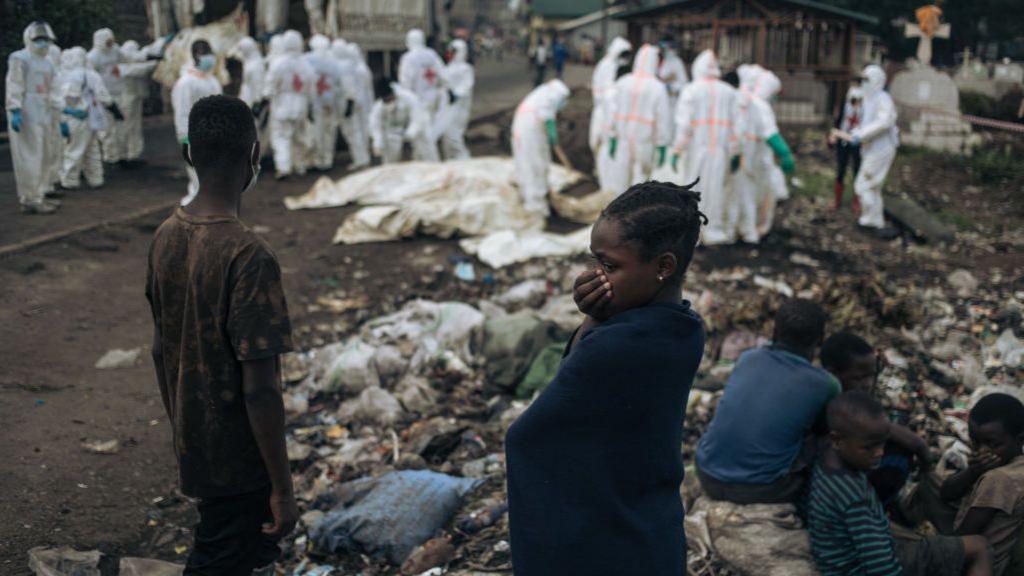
(562, 104)
(41, 45)
(206, 62)
(255, 172)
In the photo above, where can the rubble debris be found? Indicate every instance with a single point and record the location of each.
(374, 404)
(102, 446)
(963, 282)
(149, 567)
(511, 343)
(432, 553)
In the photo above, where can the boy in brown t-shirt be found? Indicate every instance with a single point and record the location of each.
(221, 321)
(994, 482)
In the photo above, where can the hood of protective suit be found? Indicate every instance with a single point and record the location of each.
(459, 50)
(854, 92)
(705, 65)
(291, 43)
(747, 74)
(247, 48)
(35, 30)
(415, 39)
(319, 44)
(557, 89)
(646, 61)
(72, 58)
(101, 37)
(766, 84)
(130, 50)
(340, 49)
(356, 50)
(276, 45)
(617, 46)
(874, 79)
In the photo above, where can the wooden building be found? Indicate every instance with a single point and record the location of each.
(813, 47)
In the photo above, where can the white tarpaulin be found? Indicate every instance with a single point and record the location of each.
(506, 247)
(222, 36)
(473, 197)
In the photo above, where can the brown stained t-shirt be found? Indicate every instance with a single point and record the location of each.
(216, 295)
(1003, 490)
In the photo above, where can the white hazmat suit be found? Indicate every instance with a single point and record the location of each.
(394, 122)
(640, 122)
(192, 85)
(708, 133)
(84, 95)
(531, 144)
(106, 58)
(353, 126)
(672, 72)
(755, 197)
(291, 89)
(602, 85)
(254, 72)
(454, 117)
(329, 102)
(879, 138)
(33, 104)
(136, 71)
(419, 72)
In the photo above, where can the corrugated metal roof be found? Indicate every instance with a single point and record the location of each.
(809, 4)
(565, 8)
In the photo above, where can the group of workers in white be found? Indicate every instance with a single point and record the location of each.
(69, 112)
(652, 121)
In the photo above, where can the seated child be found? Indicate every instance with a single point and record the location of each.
(751, 452)
(994, 481)
(850, 533)
(856, 364)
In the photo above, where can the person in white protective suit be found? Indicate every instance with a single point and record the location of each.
(601, 85)
(196, 81)
(330, 103)
(534, 134)
(459, 77)
(419, 72)
(32, 103)
(708, 133)
(365, 90)
(672, 71)
(641, 127)
(136, 71)
(755, 197)
(254, 71)
(83, 97)
(353, 123)
(56, 157)
(105, 57)
(878, 138)
(397, 116)
(291, 90)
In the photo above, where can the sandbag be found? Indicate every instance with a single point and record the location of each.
(391, 515)
(512, 342)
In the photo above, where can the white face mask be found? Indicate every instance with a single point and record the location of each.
(255, 171)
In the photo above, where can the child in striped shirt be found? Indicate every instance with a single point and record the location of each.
(850, 533)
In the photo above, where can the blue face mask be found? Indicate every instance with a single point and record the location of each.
(206, 62)
(41, 44)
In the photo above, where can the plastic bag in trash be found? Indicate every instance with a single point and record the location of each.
(63, 561)
(149, 567)
(353, 370)
(393, 514)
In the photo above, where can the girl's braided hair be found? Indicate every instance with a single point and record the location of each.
(660, 217)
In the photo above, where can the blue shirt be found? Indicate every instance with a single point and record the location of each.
(770, 403)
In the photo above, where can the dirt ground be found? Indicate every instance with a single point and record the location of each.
(66, 303)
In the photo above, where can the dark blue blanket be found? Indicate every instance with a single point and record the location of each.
(594, 465)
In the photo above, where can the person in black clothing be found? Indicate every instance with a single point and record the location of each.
(847, 153)
(594, 465)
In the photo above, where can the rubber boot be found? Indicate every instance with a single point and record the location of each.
(838, 191)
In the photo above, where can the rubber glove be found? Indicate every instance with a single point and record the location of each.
(115, 111)
(855, 141)
(734, 164)
(258, 107)
(64, 130)
(80, 114)
(552, 130)
(309, 115)
(151, 57)
(661, 156)
(612, 145)
(452, 97)
(349, 105)
(675, 162)
(782, 151)
(184, 140)
(16, 119)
